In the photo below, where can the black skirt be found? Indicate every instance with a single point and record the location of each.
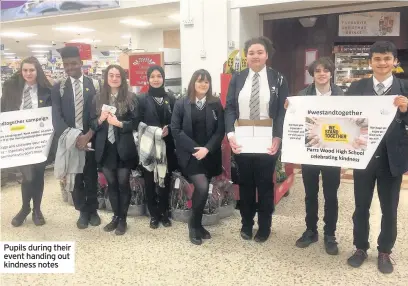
(111, 159)
(195, 167)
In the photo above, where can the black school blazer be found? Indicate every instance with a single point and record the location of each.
(396, 138)
(182, 128)
(124, 139)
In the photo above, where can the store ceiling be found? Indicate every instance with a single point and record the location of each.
(107, 32)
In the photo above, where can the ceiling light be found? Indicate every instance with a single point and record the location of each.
(175, 17)
(86, 41)
(9, 54)
(39, 46)
(17, 35)
(135, 22)
(115, 51)
(73, 29)
(127, 36)
(38, 51)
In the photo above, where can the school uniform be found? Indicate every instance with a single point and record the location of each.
(71, 108)
(386, 167)
(256, 96)
(155, 109)
(116, 153)
(330, 177)
(199, 124)
(32, 185)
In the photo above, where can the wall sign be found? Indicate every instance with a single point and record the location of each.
(85, 50)
(369, 24)
(138, 66)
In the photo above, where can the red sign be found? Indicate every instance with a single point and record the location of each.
(138, 66)
(85, 51)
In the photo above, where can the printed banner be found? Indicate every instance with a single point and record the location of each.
(13, 10)
(340, 131)
(25, 137)
(369, 24)
(138, 66)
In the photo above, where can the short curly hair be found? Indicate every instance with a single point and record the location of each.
(264, 41)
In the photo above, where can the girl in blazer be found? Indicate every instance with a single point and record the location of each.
(198, 129)
(154, 109)
(28, 89)
(115, 148)
(322, 71)
(256, 93)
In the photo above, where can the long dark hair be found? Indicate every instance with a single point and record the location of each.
(124, 101)
(13, 87)
(199, 74)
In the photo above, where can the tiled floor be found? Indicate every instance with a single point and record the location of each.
(165, 256)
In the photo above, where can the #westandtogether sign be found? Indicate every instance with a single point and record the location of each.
(340, 131)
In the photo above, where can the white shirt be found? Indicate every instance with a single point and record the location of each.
(387, 83)
(81, 83)
(318, 93)
(245, 96)
(34, 96)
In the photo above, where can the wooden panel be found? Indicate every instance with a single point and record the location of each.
(171, 39)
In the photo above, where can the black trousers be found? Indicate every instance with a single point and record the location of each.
(85, 190)
(118, 190)
(256, 173)
(157, 202)
(388, 188)
(32, 185)
(331, 183)
(201, 188)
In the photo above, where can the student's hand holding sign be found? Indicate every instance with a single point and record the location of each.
(402, 103)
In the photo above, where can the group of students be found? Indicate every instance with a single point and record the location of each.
(188, 133)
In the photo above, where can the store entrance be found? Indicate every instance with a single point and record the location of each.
(298, 40)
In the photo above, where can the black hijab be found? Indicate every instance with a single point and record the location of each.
(159, 91)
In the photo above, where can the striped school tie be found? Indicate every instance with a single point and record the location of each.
(111, 132)
(79, 104)
(28, 103)
(380, 89)
(254, 103)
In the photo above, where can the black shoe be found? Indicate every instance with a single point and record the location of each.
(261, 236)
(246, 233)
(384, 263)
(19, 219)
(357, 259)
(195, 236)
(83, 220)
(112, 225)
(307, 238)
(165, 221)
(330, 244)
(204, 233)
(122, 227)
(38, 217)
(94, 219)
(154, 223)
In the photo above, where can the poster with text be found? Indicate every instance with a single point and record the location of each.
(369, 24)
(139, 64)
(340, 131)
(25, 137)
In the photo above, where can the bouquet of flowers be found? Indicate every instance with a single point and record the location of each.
(181, 193)
(137, 188)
